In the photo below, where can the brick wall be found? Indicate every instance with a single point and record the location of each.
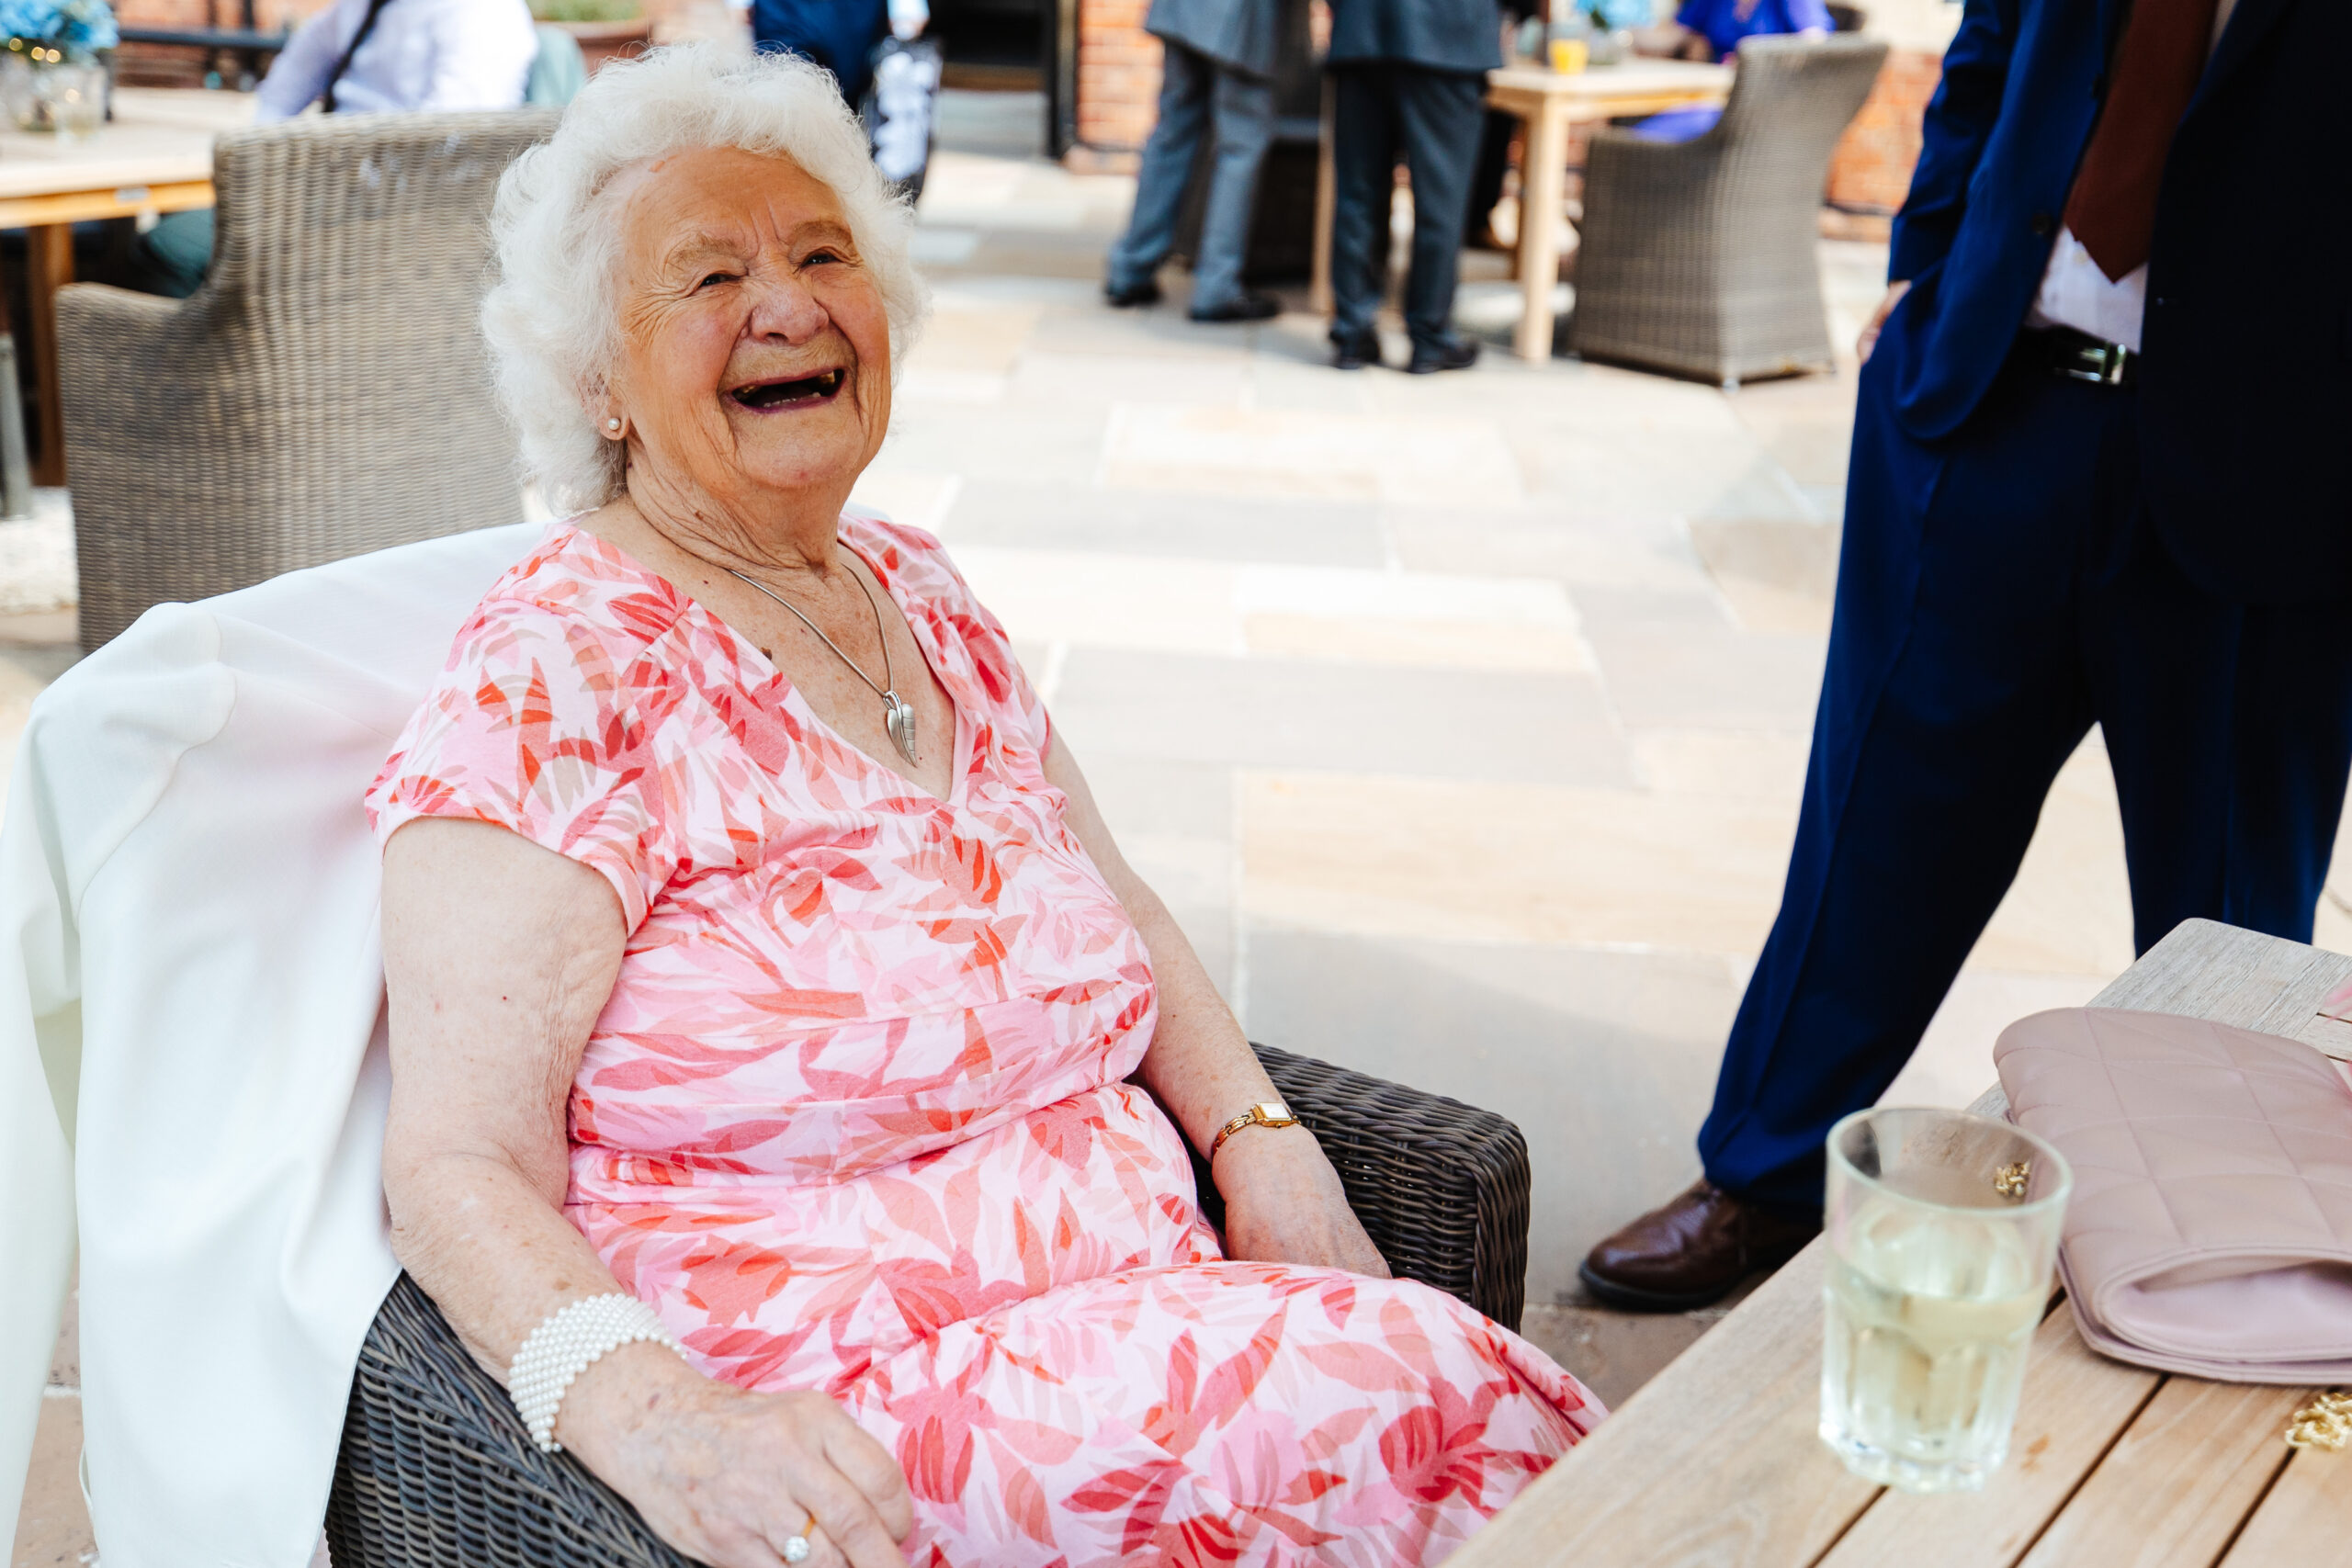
(1870, 171)
(1118, 80)
(268, 14)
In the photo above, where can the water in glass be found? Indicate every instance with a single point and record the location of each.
(1935, 1286)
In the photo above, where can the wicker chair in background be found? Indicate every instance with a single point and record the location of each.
(1699, 257)
(324, 394)
(436, 1471)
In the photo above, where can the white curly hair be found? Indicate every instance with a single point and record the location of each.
(552, 318)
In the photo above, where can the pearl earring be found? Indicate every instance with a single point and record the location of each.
(613, 424)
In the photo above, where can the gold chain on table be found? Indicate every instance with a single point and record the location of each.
(2324, 1423)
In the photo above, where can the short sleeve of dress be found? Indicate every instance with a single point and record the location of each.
(543, 725)
(1012, 696)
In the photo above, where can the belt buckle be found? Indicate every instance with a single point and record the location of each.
(2102, 366)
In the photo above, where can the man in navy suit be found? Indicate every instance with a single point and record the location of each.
(1408, 82)
(2101, 474)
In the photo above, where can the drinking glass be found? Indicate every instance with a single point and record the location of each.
(1942, 1229)
(73, 97)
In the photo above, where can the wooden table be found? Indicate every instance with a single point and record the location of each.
(1717, 1460)
(1548, 103)
(155, 155)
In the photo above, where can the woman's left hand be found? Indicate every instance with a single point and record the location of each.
(1283, 1204)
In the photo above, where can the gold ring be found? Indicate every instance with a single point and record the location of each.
(796, 1545)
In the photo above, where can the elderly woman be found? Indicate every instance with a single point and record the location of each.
(765, 989)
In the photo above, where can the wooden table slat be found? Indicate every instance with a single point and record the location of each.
(2204, 969)
(2077, 1404)
(2175, 1489)
(1737, 1427)
(2307, 1518)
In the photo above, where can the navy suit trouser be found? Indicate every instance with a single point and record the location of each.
(1998, 592)
(1198, 97)
(839, 35)
(1382, 111)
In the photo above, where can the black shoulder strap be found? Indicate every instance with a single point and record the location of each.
(367, 25)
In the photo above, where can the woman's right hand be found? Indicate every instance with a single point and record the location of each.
(727, 1476)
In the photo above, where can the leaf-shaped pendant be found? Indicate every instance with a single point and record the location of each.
(900, 720)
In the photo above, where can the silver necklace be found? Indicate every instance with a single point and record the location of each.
(898, 718)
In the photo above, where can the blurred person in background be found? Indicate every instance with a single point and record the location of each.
(1710, 30)
(839, 35)
(2100, 477)
(1409, 83)
(366, 57)
(1216, 77)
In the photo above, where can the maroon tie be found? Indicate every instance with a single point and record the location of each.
(2112, 208)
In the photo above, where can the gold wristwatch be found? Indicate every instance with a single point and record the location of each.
(1272, 1113)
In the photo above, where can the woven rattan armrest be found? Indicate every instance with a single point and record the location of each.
(1441, 1187)
(436, 1471)
(98, 307)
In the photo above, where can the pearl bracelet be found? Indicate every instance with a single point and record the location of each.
(568, 1343)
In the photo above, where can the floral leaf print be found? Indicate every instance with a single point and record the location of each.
(853, 1119)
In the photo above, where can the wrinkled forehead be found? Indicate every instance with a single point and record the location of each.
(725, 199)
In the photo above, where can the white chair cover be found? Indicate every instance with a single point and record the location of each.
(190, 983)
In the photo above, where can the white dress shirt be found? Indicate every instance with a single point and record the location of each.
(2075, 293)
(423, 54)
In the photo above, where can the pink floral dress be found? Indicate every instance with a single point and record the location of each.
(855, 1120)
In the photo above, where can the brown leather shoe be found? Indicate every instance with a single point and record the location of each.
(1692, 1251)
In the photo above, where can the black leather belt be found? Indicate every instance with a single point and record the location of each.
(2078, 357)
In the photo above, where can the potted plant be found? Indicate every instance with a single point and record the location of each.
(604, 29)
(52, 72)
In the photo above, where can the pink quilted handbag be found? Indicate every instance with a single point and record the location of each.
(2210, 1231)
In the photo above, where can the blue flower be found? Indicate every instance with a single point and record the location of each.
(78, 26)
(27, 18)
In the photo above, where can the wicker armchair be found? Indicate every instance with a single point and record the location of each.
(436, 1471)
(324, 393)
(1698, 257)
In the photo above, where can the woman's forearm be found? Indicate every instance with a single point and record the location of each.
(499, 1260)
(490, 1248)
(1200, 1066)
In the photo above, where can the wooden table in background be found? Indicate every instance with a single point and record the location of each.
(1717, 1460)
(155, 155)
(1547, 103)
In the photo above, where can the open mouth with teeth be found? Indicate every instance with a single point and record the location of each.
(798, 392)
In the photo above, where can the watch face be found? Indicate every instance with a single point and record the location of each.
(1275, 1111)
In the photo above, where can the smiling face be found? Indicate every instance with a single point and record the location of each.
(755, 349)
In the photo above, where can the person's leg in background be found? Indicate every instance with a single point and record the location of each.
(1363, 181)
(1955, 690)
(2229, 727)
(1186, 81)
(1487, 180)
(1244, 129)
(839, 35)
(1439, 114)
(172, 257)
(2290, 756)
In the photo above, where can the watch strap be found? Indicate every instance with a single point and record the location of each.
(1267, 1114)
